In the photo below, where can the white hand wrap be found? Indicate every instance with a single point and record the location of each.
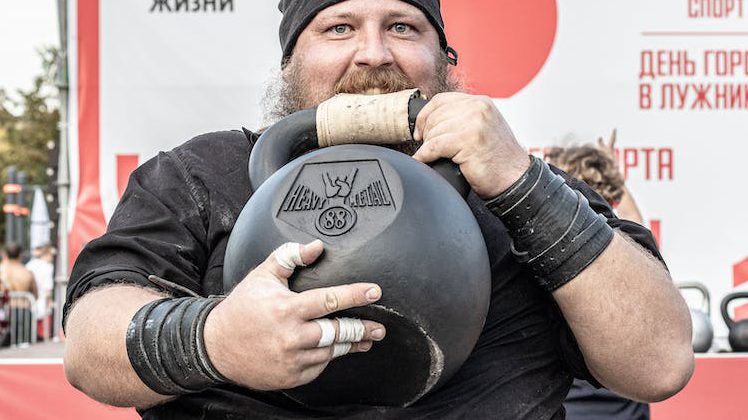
(328, 332)
(288, 256)
(341, 349)
(351, 330)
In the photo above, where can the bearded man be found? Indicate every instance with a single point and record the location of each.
(610, 315)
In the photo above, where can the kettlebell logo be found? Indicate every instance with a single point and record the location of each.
(339, 187)
(337, 220)
(331, 197)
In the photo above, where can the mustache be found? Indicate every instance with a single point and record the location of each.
(386, 79)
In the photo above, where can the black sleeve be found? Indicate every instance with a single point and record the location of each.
(570, 353)
(157, 228)
(635, 231)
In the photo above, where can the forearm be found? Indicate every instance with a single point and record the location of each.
(96, 360)
(631, 323)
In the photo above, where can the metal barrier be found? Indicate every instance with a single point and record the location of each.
(22, 310)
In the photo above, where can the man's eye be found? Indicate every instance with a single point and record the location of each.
(401, 28)
(340, 29)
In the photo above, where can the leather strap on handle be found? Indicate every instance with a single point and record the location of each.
(365, 119)
(297, 134)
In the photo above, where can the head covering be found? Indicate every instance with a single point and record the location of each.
(297, 14)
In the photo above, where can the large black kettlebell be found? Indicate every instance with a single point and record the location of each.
(738, 329)
(703, 332)
(385, 218)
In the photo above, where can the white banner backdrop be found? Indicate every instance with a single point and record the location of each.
(671, 76)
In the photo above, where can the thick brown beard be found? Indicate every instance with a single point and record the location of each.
(293, 93)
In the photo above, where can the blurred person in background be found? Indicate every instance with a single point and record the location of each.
(16, 277)
(596, 166)
(4, 315)
(43, 268)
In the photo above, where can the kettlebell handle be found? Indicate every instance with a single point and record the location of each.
(296, 134)
(706, 302)
(725, 302)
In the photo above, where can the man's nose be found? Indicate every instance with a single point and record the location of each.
(373, 49)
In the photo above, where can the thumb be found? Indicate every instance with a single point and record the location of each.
(282, 262)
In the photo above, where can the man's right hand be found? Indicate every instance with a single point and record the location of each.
(263, 335)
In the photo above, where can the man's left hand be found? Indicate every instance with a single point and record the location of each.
(471, 132)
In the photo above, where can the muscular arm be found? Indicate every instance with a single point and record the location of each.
(95, 358)
(262, 336)
(632, 325)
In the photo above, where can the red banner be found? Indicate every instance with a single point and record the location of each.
(89, 221)
(41, 392)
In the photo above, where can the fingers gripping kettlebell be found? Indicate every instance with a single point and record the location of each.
(383, 217)
(738, 336)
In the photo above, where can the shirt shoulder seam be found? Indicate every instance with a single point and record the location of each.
(184, 169)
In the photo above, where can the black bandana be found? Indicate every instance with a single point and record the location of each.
(297, 14)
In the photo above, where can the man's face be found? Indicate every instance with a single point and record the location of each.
(362, 46)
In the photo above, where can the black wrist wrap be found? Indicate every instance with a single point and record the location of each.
(553, 228)
(166, 347)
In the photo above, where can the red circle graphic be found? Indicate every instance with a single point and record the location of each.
(502, 44)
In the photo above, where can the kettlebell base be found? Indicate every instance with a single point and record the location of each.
(397, 371)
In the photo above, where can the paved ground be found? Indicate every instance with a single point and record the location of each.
(47, 350)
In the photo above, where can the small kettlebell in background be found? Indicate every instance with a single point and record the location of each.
(738, 329)
(703, 331)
